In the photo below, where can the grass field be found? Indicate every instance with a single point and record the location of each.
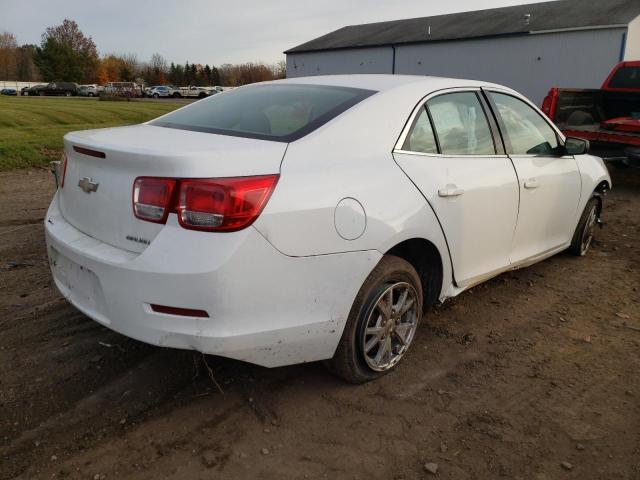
(31, 129)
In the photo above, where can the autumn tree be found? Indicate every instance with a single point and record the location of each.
(129, 67)
(156, 70)
(58, 62)
(8, 51)
(65, 53)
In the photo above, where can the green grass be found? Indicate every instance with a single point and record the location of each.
(31, 129)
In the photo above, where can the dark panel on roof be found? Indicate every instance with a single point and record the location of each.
(561, 14)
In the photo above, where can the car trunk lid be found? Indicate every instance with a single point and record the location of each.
(102, 166)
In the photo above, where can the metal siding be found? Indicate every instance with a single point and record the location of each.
(529, 64)
(361, 60)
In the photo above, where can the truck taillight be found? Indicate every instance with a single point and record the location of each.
(152, 198)
(214, 205)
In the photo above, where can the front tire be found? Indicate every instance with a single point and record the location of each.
(382, 322)
(583, 236)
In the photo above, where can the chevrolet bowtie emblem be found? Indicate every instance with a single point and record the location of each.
(88, 185)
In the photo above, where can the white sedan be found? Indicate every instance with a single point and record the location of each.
(314, 218)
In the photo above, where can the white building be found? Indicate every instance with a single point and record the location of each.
(564, 43)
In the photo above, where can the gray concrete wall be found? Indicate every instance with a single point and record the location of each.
(361, 60)
(529, 64)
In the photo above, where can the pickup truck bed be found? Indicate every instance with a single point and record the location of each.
(609, 117)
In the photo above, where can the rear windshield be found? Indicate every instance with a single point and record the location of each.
(626, 77)
(281, 112)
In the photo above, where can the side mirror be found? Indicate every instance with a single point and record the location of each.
(576, 146)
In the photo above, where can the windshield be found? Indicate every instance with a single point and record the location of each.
(281, 112)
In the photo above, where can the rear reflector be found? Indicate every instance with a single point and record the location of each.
(88, 151)
(184, 312)
(214, 205)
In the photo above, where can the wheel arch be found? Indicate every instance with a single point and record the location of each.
(425, 257)
(600, 191)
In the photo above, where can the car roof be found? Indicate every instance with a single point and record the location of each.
(382, 82)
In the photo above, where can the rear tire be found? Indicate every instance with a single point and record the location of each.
(381, 324)
(583, 236)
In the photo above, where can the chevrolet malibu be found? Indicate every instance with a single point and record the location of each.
(314, 218)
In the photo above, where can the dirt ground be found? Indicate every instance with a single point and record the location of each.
(511, 379)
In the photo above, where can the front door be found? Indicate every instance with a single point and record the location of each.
(549, 182)
(450, 154)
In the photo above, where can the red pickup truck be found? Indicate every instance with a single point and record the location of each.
(609, 117)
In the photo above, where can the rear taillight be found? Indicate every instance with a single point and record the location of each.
(152, 198)
(214, 205)
(63, 170)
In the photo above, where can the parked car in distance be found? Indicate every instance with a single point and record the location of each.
(314, 218)
(91, 90)
(123, 89)
(609, 117)
(12, 92)
(161, 91)
(193, 91)
(55, 89)
(66, 89)
(26, 91)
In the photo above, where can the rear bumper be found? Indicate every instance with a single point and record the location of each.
(264, 307)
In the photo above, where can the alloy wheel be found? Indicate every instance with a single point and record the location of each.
(390, 326)
(587, 233)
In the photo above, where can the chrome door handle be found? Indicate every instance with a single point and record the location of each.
(450, 191)
(531, 184)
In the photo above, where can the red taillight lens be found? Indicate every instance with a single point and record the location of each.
(152, 198)
(214, 205)
(224, 204)
(63, 169)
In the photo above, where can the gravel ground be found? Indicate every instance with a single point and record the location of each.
(533, 375)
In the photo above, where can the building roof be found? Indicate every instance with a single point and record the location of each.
(516, 20)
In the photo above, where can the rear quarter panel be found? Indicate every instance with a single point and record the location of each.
(351, 157)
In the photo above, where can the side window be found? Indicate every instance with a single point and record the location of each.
(527, 132)
(421, 138)
(626, 77)
(461, 124)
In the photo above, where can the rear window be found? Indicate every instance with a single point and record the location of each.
(627, 77)
(280, 112)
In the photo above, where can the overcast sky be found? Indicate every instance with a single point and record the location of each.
(213, 32)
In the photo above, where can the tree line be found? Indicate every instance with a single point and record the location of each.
(65, 53)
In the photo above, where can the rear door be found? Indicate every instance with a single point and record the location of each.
(550, 182)
(449, 152)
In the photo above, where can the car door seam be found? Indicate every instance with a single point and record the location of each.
(444, 235)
